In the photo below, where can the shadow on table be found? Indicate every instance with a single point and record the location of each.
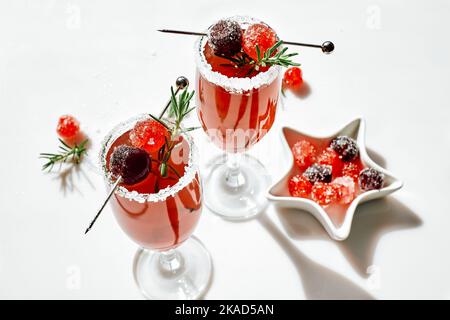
(370, 222)
(303, 92)
(318, 281)
(70, 176)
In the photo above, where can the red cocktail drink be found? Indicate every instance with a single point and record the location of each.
(236, 107)
(159, 224)
(160, 213)
(237, 101)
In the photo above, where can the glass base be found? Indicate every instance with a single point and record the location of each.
(183, 273)
(236, 189)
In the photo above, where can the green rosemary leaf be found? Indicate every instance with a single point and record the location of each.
(66, 153)
(179, 109)
(64, 143)
(173, 103)
(258, 53)
(189, 110)
(237, 61)
(160, 121)
(174, 170)
(84, 143)
(191, 129)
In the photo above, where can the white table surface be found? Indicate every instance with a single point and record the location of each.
(104, 62)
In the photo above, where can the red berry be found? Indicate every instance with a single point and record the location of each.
(132, 164)
(324, 193)
(299, 186)
(331, 158)
(293, 78)
(346, 189)
(304, 154)
(261, 35)
(148, 135)
(352, 170)
(371, 179)
(68, 127)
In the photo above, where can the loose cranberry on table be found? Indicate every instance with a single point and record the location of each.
(149, 135)
(293, 78)
(68, 127)
(261, 35)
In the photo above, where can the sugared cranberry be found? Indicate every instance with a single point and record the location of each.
(351, 169)
(345, 188)
(371, 179)
(68, 127)
(318, 173)
(346, 148)
(130, 163)
(258, 34)
(324, 193)
(304, 154)
(149, 135)
(293, 78)
(331, 158)
(225, 37)
(299, 186)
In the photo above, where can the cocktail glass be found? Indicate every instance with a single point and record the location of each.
(171, 263)
(235, 112)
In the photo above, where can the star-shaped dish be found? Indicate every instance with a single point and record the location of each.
(337, 225)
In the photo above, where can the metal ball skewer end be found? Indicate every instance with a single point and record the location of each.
(327, 47)
(181, 83)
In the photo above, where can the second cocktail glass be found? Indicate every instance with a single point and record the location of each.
(236, 109)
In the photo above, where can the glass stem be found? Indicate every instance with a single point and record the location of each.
(170, 262)
(234, 177)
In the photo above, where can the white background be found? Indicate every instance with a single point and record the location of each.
(104, 62)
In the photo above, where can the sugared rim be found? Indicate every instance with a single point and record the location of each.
(190, 169)
(233, 84)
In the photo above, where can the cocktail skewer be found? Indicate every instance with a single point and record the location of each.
(181, 83)
(327, 47)
(113, 189)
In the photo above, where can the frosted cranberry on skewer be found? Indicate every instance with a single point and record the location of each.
(129, 165)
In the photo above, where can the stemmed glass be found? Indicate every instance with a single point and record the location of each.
(235, 113)
(170, 264)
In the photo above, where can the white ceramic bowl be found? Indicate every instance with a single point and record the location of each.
(279, 193)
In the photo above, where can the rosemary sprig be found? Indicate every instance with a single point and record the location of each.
(66, 153)
(240, 59)
(178, 110)
(280, 58)
(269, 58)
